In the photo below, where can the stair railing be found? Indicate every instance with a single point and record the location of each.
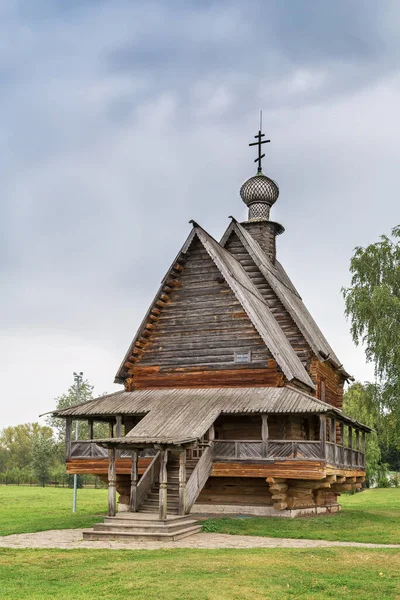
(198, 478)
(148, 479)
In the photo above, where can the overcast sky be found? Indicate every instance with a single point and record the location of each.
(122, 120)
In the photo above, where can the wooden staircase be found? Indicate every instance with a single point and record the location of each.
(150, 505)
(143, 527)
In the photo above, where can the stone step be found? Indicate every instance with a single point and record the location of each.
(146, 527)
(142, 536)
(134, 519)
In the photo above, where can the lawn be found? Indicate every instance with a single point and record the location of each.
(29, 509)
(200, 574)
(371, 516)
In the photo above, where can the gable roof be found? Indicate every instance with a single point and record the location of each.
(287, 294)
(252, 302)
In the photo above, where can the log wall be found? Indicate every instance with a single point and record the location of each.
(192, 338)
(329, 383)
(236, 491)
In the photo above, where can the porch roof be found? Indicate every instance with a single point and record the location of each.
(188, 413)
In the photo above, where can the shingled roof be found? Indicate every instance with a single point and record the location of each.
(188, 413)
(252, 302)
(287, 294)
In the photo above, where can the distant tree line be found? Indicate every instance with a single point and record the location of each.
(31, 453)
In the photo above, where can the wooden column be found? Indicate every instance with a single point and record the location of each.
(342, 433)
(118, 432)
(112, 484)
(264, 435)
(182, 482)
(134, 481)
(358, 446)
(68, 429)
(322, 435)
(211, 433)
(163, 484)
(333, 438)
(111, 429)
(363, 447)
(350, 444)
(90, 429)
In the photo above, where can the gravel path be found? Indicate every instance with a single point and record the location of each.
(72, 538)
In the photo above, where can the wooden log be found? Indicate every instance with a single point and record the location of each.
(68, 430)
(112, 484)
(182, 482)
(134, 481)
(163, 484)
(280, 505)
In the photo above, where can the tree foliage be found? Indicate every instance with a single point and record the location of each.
(360, 403)
(43, 457)
(373, 306)
(16, 444)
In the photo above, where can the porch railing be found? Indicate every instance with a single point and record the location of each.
(89, 449)
(280, 450)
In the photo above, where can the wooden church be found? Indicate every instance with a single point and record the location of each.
(232, 399)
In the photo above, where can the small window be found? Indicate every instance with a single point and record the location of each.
(243, 357)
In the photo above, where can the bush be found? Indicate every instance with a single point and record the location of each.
(395, 480)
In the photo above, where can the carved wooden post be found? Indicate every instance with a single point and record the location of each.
(112, 484)
(68, 429)
(134, 481)
(90, 429)
(322, 435)
(182, 482)
(163, 484)
(333, 438)
(118, 431)
(357, 447)
(350, 445)
(111, 429)
(342, 450)
(264, 435)
(363, 447)
(211, 433)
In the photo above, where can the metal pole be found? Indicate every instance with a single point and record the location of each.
(78, 381)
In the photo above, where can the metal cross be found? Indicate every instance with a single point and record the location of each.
(258, 143)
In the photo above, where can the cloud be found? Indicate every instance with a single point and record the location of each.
(122, 120)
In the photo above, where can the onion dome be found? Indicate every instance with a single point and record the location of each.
(259, 193)
(259, 188)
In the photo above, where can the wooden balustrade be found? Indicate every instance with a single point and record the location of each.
(278, 450)
(199, 477)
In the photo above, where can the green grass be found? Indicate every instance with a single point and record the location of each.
(200, 574)
(29, 509)
(371, 516)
